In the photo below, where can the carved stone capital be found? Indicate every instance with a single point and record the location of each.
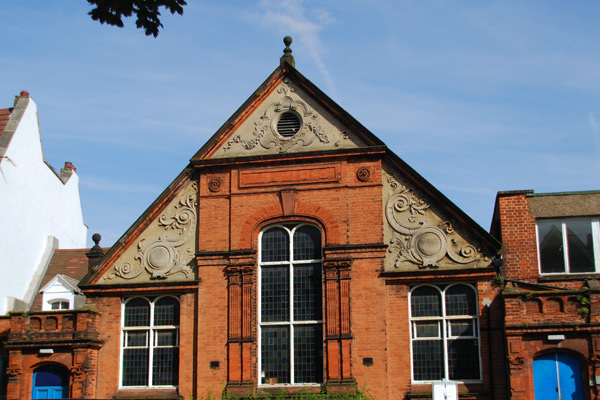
(337, 264)
(239, 272)
(516, 362)
(78, 373)
(14, 372)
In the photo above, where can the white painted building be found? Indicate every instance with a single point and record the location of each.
(40, 209)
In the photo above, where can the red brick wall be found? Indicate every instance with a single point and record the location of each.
(535, 309)
(518, 239)
(366, 316)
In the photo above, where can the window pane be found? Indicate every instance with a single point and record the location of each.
(460, 300)
(308, 354)
(463, 359)
(56, 305)
(461, 328)
(275, 294)
(307, 292)
(166, 338)
(275, 354)
(307, 243)
(581, 247)
(551, 246)
(165, 366)
(427, 329)
(137, 313)
(166, 312)
(275, 245)
(425, 302)
(135, 367)
(136, 339)
(428, 360)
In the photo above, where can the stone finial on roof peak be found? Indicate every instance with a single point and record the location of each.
(287, 52)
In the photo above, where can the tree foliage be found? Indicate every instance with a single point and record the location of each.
(111, 12)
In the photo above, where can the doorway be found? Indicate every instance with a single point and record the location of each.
(557, 376)
(50, 382)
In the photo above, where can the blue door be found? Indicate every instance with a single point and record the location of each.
(557, 376)
(51, 382)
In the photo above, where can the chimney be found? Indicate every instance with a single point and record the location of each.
(95, 253)
(69, 167)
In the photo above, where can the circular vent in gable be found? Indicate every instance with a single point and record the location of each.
(289, 124)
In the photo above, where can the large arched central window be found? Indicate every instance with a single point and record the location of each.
(290, 305)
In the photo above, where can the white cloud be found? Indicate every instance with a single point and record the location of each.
(107, 185)
(290, 17)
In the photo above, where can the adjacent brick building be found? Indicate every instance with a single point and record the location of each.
(295, 252)
(552, 297)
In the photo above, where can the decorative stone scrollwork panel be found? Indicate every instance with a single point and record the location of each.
(165, 250)
(419, 236)
(265, 133)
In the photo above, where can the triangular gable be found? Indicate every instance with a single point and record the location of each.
(160, 245)
(254, 128)
(68, 283)
(425, 230)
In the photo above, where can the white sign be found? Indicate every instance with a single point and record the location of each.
(445, 391)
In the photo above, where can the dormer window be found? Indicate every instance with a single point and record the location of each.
(569, 245)
(59, 305)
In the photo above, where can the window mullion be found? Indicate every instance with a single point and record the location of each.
(563, 226)
(444, 332)
(292, 317)
(596, 243)
(150, 342)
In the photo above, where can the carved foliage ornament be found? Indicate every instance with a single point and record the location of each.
(170, 253)
(414, 240)
(265, 127)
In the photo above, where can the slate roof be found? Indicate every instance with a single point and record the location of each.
(72, 263)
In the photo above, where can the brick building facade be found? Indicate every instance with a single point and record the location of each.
(552, 297)
(296, 252)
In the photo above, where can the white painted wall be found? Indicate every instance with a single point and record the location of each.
(35, 207)
(57, 290)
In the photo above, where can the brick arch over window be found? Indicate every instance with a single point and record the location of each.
(273, 213)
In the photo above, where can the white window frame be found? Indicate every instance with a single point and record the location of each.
(151, 333)
(291, 323)
(444, 330)
(595, 224)
(60, 302)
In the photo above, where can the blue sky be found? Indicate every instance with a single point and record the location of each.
(477, 96)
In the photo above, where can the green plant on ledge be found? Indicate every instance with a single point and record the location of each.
(282, 395)
(584, 305)
(499, 279)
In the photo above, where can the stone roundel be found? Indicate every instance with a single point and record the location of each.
(363, 174)
(428, 245)
(214, 184)
(160, 256)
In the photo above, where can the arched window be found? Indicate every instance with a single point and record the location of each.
(290, 305)
(150, 342)
(444, 333)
